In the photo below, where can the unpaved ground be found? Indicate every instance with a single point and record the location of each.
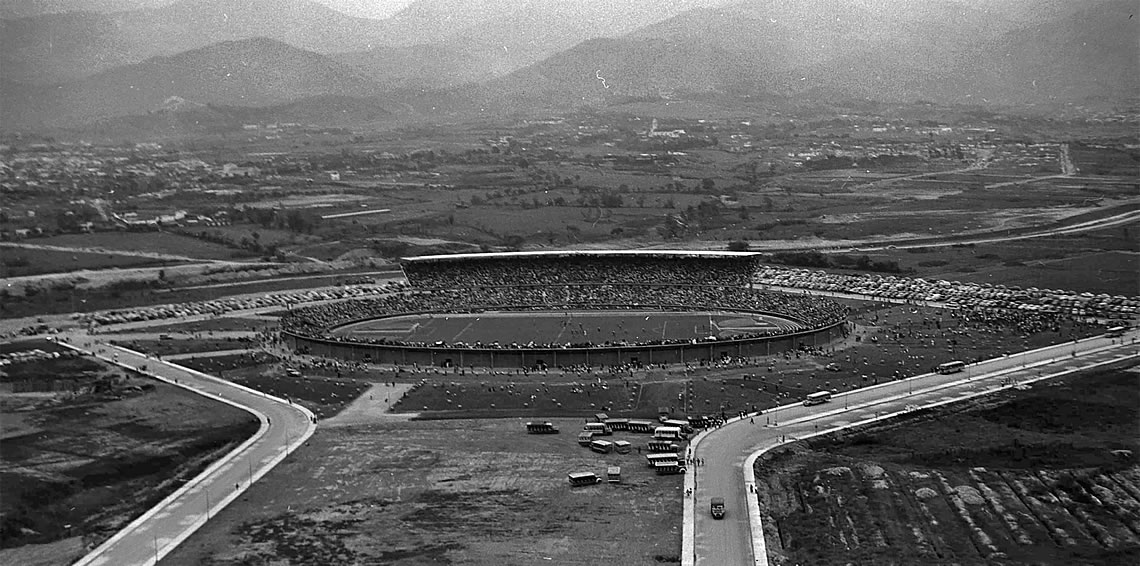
(1024, 478)
(446, 492)
(373, 405)
(87, 447)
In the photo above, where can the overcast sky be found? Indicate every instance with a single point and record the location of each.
(377, 9)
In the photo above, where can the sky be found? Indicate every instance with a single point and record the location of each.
(376, 9)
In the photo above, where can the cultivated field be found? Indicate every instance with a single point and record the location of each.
(1045, 476)
(87, 447)
(560, 328)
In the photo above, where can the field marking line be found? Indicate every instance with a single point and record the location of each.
(465, 329)
(759, 544)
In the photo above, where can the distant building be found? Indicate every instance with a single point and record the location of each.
(230, 170)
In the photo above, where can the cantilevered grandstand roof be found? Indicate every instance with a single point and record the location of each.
(583, 253)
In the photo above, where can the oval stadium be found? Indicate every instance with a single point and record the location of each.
(568, 308)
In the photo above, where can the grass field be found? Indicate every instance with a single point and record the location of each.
(152, 242)
(1020, 478)
(90, 447)
(20, 262)
(560, 328)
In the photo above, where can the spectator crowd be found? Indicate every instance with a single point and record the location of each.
(732, 271)
(808, 312)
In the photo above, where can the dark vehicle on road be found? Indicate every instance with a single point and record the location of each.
(716, 507)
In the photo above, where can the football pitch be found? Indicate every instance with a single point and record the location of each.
(561, 327)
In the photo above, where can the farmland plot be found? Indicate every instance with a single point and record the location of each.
(973, 486)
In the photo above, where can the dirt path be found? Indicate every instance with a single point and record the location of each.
(372, 406)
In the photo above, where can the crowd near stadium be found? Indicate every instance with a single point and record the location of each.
(667, 281)
(808, 312)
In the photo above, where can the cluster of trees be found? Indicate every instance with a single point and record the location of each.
(294, 219)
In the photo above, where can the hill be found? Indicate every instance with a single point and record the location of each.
(254, 72)
(60, 47)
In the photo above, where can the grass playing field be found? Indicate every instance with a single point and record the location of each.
(561, 327)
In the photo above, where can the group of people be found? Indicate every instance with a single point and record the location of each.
(808, 312)
(555, 270)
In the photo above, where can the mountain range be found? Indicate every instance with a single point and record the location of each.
(70, 68)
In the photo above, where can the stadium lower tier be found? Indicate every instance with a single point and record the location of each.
(804, 322)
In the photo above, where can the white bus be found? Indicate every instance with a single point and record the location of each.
(817, 398)
(668, 433)
(683, 425)
(951, 367)
(601, 429)
(1116, 331)
(652, 459)
(602, 446)
(583, 478)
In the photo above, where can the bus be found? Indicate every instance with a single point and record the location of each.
(622, 446)
(951, 367)
(617, 424)
(653, 459)
(602, 446)
(668, 433)
(541, 428)
(613, 474)
(683, 425)
(662, 446)
(598, 428)
(583, 478)
(585, 438)
(817, 398)
(640, 426)
(668, 468)
(1116, 331)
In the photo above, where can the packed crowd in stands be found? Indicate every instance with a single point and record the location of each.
(617, 269)
(809, 312)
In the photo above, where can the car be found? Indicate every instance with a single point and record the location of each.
(716, 507)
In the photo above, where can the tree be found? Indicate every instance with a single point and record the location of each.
(708, 185)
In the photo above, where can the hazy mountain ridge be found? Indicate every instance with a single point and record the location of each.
(253, 72)
(527, 54)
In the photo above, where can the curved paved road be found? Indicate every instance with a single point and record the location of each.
(284, 427)
(730, 541)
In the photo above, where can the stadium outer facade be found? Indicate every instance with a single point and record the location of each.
(506, 357)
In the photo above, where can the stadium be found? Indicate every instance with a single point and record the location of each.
(568, 308)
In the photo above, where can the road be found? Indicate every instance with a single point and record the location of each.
(725, 450)
(284, 427)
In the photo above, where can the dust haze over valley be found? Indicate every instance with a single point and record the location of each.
(470, 57)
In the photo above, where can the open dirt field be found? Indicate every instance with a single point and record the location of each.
(87, 447)
(560, 328)
(445, 492)
(1023, 477)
